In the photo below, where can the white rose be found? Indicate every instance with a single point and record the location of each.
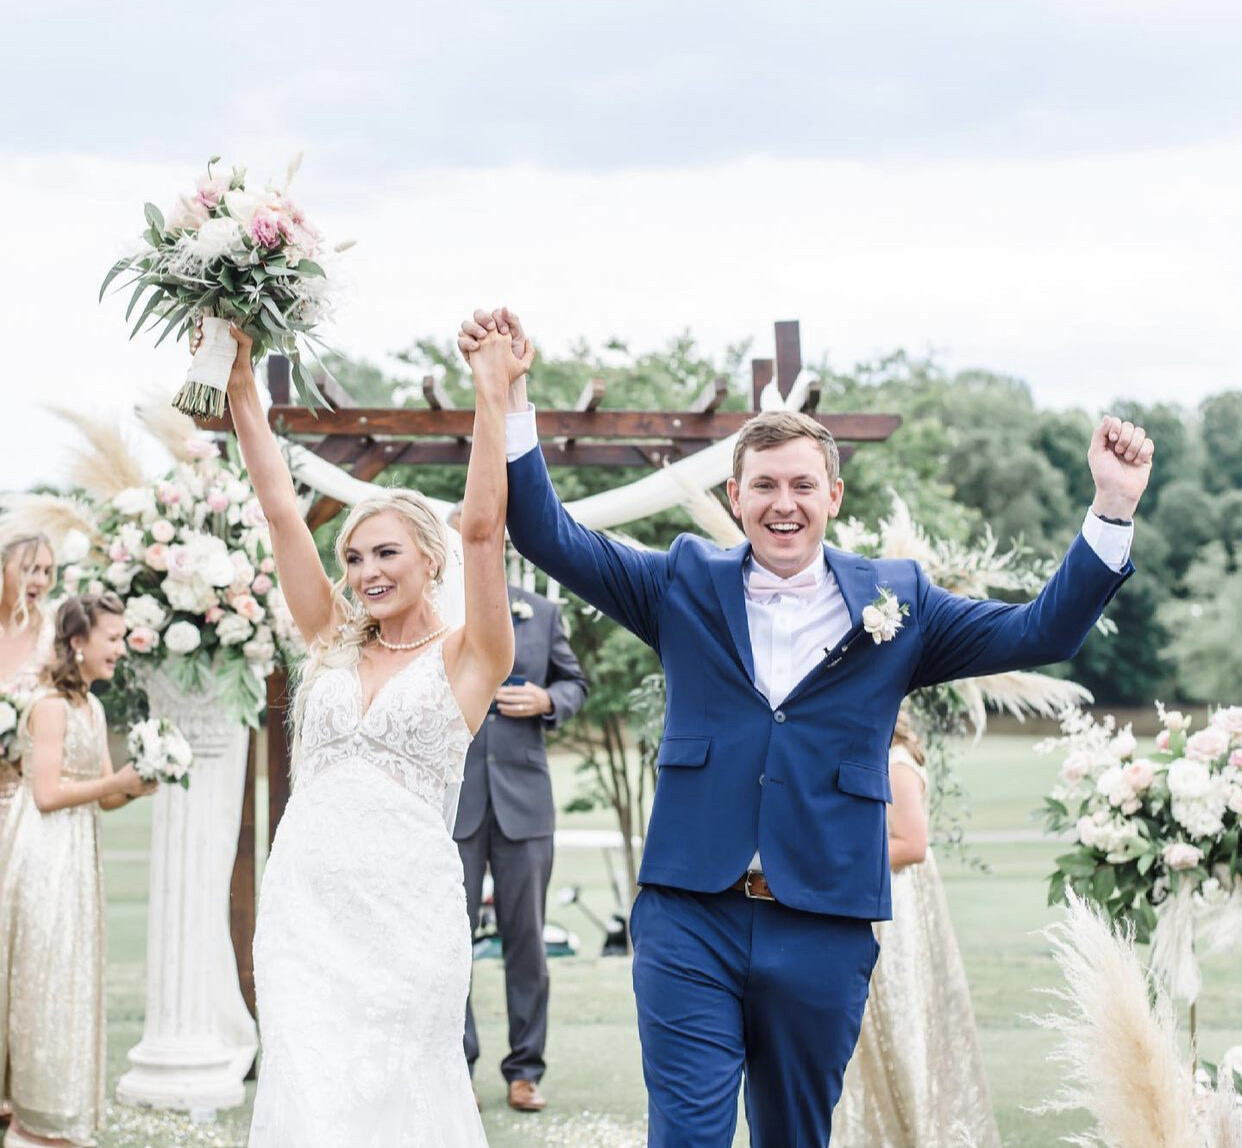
(144, 611)
(183, 638)
(1188, 778)
(237, 491)
(194, 596)
(1208, 744)
(1174, 720)
(163, 531)
(233, 629)
(74, 546)
(217, 237)
(8, 717)
(1229, 719)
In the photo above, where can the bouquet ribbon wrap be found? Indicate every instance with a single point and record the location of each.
(214, 358)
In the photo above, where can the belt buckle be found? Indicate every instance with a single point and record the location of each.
(751, 873)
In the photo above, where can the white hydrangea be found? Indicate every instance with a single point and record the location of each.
(1118, 837)
(1200, 816)
(193, 597)
(1189, 779)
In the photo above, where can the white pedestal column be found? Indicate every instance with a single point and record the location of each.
(198, 1038)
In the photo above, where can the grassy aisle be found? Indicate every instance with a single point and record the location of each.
(594, 1082)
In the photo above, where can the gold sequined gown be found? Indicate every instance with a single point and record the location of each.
(916, 1079)
(23, 682)
(52, 946)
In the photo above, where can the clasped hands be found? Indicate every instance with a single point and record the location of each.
(499, 353)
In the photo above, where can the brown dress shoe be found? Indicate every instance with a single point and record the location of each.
(524, 1095)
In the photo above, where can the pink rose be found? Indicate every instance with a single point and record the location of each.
(217, 500)
(200, 448)
(168, 494)
(1180, 855)
(71, 576)
(213, 615)
(1162, 739)
(1208, 744)
(163, 531)
(252, 514)
(268, 565)
(1235, 758)
(211, 190)
(1139, 774)
(142, 640)
(118, 553)
(262, 584)
(248, 607)
(1229, 719)
(265, 229)
(157, 556)
(1075, 768)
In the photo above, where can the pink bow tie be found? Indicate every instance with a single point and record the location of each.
(763, 586)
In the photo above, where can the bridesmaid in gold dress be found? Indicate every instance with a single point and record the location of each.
(51, 889)
(26, 570)
(916, 1079)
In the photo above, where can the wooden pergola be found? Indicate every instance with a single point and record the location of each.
(367, 440)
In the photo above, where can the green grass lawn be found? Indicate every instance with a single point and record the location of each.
(594, 1080)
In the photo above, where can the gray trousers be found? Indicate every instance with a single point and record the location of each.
(521, 871)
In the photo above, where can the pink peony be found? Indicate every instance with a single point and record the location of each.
(1162, 739)
(262, 584)
(200, 448)
(1139, 774)
(1075, 768)
(1229, 719)
(142, 640)
(1235, 758)
(211, 190)
(118, 553)
(163, 531)
(213, 615)
(157, 556)
(188, 215)
(168, 494)
(1208, 744)
(1179, 855)
(217, 500)
(265, 229)
(268, 565)
(252, 514)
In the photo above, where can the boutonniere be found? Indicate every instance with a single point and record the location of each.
(882, 619)
(521, 610)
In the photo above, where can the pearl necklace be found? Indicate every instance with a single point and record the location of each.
(410, 645)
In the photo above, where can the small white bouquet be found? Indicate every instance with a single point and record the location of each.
(11, 706)
(229, 255)
(160, 752)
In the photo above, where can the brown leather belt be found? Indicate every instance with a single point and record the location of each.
(754, 884)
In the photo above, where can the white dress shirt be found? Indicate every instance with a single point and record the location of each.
(788, 633)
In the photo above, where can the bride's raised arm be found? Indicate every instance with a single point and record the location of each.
(481, 655)
(303, 580)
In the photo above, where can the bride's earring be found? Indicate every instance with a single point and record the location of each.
(432, 593)
(79, 657)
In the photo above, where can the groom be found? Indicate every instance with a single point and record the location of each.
(785, 660)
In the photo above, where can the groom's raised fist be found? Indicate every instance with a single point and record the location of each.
(1120, 460)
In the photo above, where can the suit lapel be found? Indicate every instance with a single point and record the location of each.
(856, 580)
(726, 570)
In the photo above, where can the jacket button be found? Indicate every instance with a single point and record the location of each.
(763, 779)
(778, 716)
(491, 717)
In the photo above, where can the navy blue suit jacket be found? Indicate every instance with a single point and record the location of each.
(805, 783)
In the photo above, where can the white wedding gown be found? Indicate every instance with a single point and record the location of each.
(362, 948)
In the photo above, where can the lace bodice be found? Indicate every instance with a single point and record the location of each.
(413, 732)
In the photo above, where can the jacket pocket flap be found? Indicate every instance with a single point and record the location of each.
(683, 751)
(865, 780)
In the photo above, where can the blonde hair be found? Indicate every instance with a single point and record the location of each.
(907, 737)
(345, 647)
(772, 428)
(76, 618)
(25, 548)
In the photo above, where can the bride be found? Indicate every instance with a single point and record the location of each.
(362, 947)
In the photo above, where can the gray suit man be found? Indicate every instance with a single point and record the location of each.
(506, 818)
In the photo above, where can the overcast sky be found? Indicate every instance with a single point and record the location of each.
(1050, 190)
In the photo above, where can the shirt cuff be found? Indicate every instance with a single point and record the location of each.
(1110, 542)
(521, 435)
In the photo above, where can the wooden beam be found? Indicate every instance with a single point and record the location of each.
(590, 398)
(437, 397)
(788, 355)
(760, 377)
(711, 396)
(405, 422)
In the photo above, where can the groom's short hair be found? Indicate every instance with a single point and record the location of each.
(771, 428)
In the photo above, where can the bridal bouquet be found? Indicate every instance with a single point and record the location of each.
(190, 556)
(160, 752)
(11, 706)
(1149, 829)
(228, 254)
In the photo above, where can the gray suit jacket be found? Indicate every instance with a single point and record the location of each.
(507, 762)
